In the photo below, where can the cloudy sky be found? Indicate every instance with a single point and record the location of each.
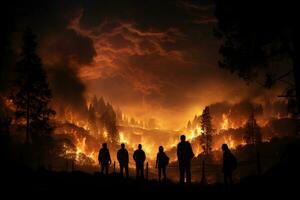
(150, 58)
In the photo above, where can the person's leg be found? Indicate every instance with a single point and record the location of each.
(227, 181)
(137, 171)
(159, 173)
(188, 173)
(181, 173)
(230, 178)
(106, 169)
(121, 170)
(164, 174)
(102, 168)
(225, 178)
(142, 171)
(126, 170)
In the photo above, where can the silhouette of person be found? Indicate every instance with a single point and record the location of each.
(162, 160)
(123, 159)
(104, 158)
(229, 164)
(139, 158)
(185, 155)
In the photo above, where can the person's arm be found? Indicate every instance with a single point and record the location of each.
(156, 161)
(127, 157)
(118, 155)
(109, 157)
(192, 153)
(178, 152)
(167, 159)
(224, 163)
(134, 156)
(99, 156)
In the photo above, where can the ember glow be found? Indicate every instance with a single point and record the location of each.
(155, 74)
(136, 132)
(207, 90)
(225, 123)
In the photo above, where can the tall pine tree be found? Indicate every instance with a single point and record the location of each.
(92, 120)
(206, 137)
(189, 125)
(110, 120)
(31, 94)
(252, 132)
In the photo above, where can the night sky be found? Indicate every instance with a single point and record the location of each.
(155, 59)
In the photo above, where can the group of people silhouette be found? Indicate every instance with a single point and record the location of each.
(184, 154)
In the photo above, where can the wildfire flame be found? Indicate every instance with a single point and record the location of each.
(134, 136)
(230, 142)
(225, 123)
(79, 152)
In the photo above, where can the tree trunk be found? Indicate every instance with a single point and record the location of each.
(203, 178)
(297, 73)
(296, 67)
(28, 119)
(297, 83)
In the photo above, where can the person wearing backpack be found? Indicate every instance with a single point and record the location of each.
(162, 160)
(229, 164)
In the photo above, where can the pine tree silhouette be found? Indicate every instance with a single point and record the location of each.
(206, 138)
(252, 133)
(31, 94)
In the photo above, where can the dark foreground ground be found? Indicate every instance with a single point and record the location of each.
(21, 181)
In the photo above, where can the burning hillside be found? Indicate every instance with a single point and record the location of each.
(83, 134)
(80, 133)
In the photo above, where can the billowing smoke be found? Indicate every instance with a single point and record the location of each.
(63, 52)
(7, 55)
(67, 89)
(63, 63)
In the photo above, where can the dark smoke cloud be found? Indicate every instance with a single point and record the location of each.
(7, 55)
(64, 54)
(151, 58)
(67, 88)
(278, 127)
(62, 50)
(67, 46)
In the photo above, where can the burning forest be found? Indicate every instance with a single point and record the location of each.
(195, 92)
(78, 136)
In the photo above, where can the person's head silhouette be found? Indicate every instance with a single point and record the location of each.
(182, 138)
(161, 149)
(225, 147)
(104, 145)
(140, 146)
(123, 146)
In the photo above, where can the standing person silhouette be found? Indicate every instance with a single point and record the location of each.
(185, 155)
(123, 159)
(139, 158)
(162, 160)
(229, 164)
(104, 158)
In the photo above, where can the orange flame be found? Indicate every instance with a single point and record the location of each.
(225, 123)
(230, 142)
